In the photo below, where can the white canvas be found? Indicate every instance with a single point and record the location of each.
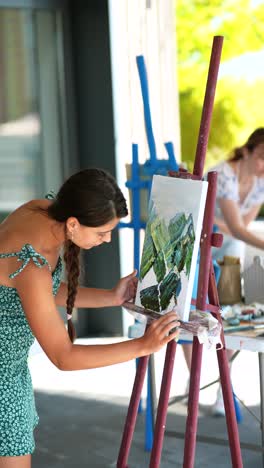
(171, 244)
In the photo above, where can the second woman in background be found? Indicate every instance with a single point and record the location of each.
(239, 197)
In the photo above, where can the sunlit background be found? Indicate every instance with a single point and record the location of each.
(44, 111)
(70, 98)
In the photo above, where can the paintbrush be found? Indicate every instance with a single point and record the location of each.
(243, 328)
(150, 314)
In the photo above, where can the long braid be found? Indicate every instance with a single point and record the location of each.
(72, 263)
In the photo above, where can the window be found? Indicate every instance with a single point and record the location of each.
(32, 107)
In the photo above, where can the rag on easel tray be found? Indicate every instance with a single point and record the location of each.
(171, 244)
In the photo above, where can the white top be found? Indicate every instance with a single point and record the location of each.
(228, 187)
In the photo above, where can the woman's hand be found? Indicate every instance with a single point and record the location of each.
(125, 290)
(158, 333)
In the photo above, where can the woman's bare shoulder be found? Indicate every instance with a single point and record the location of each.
(26, 208)
(42, 203)
(22, 224)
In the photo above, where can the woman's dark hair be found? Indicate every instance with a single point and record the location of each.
(255, 139)
(94, 198)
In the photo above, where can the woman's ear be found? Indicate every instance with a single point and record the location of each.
(72, 224)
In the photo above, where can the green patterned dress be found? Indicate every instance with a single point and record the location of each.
(18, 416)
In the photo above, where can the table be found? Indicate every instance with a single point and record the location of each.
(251, 340)
(248, 340)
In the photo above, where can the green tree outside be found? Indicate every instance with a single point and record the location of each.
(238, 102)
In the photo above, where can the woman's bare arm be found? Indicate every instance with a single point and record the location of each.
(251, 215)
(222, 226)
(34, 287)
(247, 218)
(236, 224)
(87, 297)
(92, 297)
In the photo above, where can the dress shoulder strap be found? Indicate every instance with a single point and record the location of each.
(51, 195)
(24, 255)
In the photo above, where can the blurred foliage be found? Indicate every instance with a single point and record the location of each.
(237, 108)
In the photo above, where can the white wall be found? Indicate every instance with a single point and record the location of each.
(142, 27)
(139, 29)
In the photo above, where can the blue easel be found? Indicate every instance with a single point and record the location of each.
(152, 166)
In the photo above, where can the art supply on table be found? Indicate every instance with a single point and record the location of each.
(233, 321)
(245, 317)
(242, 328)
(229, 285)
(253, 281)
(238, 313)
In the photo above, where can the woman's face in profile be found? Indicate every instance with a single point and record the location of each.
(88, 237)
(258, 160)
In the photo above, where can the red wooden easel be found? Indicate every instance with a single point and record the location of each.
(206, 288)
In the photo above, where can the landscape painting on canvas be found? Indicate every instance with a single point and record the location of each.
(171, 244)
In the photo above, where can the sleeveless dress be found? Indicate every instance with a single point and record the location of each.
(18, 416)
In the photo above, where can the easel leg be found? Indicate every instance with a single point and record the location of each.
(261, 378)
(163, 405)
(224, 371)
(132, 413)
(231, 422)
(192, 418)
